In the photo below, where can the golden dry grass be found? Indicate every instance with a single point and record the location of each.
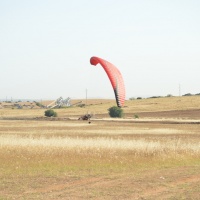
(71, 159)
(164, 104)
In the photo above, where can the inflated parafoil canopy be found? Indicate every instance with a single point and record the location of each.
(115, 77)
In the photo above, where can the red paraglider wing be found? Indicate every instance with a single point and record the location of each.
(115, 77)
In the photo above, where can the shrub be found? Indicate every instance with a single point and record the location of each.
(38, 104)
(50, 113)
(136, 116)
(81, 105)
(115, 112)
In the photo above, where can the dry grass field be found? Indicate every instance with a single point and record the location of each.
(154, 157)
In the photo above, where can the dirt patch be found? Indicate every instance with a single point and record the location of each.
(178, 114)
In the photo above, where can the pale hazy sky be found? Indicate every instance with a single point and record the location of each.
(46, 45)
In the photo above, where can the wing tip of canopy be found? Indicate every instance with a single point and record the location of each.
(94, 60)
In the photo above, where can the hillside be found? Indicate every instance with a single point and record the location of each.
(167, 107)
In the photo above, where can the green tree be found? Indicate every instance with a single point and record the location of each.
(50, 113)
(116, 112)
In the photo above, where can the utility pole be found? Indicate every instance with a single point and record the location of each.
(86, 96)
(179, 89)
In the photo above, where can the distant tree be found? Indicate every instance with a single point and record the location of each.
(188, 94)
(132, 98)
(155, 97)
(50, 113)
(139, 97)
(169, 95)
(115, 112)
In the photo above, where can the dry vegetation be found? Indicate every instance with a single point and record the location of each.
(71, 159)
